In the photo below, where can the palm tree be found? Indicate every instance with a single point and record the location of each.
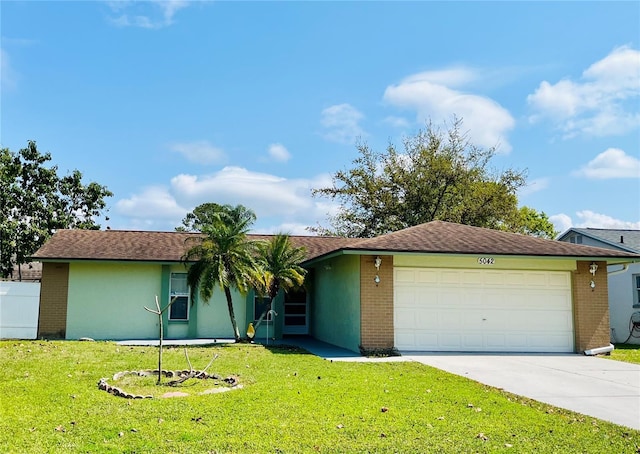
(223, 257)
(279, 262)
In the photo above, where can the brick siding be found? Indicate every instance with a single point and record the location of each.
(52, 321)
(376, 303)
(590, 307)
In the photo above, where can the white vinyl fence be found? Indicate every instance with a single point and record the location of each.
(19, 305)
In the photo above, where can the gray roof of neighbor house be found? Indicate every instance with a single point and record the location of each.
(436, 237)
(623, 239)
(27, 272)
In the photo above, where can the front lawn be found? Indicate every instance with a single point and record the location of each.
(626, 352)
(290, 402)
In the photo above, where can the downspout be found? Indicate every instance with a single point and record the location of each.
(625, 267)
(599, 350)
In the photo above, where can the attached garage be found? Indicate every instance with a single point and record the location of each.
(482, 310)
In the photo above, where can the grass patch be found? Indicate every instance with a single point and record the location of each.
(629, 353)
(291, 402)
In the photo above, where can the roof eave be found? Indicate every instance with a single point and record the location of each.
(611, 260)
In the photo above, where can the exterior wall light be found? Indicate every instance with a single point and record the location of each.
(376, 279)
(377, 262)
(592, 269)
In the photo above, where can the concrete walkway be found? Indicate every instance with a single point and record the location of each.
(593, 386)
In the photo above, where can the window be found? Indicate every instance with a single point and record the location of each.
(576, 239)
(259, 305)
(636, 290)
(179, 294)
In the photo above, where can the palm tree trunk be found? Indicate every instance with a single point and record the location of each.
(264, 314)
(232, 315)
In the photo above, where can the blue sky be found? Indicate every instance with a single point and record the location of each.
(174, 103)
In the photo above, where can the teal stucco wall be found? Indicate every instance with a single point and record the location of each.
(335, 307)
(106, 300)
(213, 315)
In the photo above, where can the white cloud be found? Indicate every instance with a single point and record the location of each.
(397, 122)
(8, 76)
(280, 201)
(341, 123)
(561, 222)
(451, 77)
(150, 14)
(587, 218)
(539, 184)
(266, 194)
(278, 152)
(604, 102)
(431, 95)
(153, 203)
(611, 163)
(289, 228)
(201, 152)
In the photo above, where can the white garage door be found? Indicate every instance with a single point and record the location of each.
(482, 310)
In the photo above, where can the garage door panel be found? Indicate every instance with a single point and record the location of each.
(427, 319)
(517, 341)
(515, 279)
(404, 275)
(552, 342)
(472, 278)
(405, 318)
(450, 340)
(450, 277)
(496, 341)
(447, 320)
(426, 277)
(559, 280)
(406, 338)
(494, 279)
(426, 341)
(478, 310)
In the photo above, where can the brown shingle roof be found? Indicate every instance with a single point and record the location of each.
(434, 237)
(449, 238)
(115, 245)
(151, 246)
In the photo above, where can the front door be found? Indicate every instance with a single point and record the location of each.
(295, 312)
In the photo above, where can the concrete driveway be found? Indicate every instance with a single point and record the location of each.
(598, 387)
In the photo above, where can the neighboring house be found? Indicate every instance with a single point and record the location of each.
(27, 272)
(433, 287)
(624, 284)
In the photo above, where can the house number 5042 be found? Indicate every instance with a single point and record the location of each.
(485, 260)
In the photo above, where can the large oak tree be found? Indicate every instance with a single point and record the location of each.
(437, 176)
(35, 201)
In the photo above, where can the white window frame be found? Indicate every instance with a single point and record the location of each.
(179, 294)
(635, 282)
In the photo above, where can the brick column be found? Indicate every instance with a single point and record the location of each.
(376, 303)
(590, 307)
(52, 319)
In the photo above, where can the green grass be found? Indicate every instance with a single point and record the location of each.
(629, 353)
(291, 402)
